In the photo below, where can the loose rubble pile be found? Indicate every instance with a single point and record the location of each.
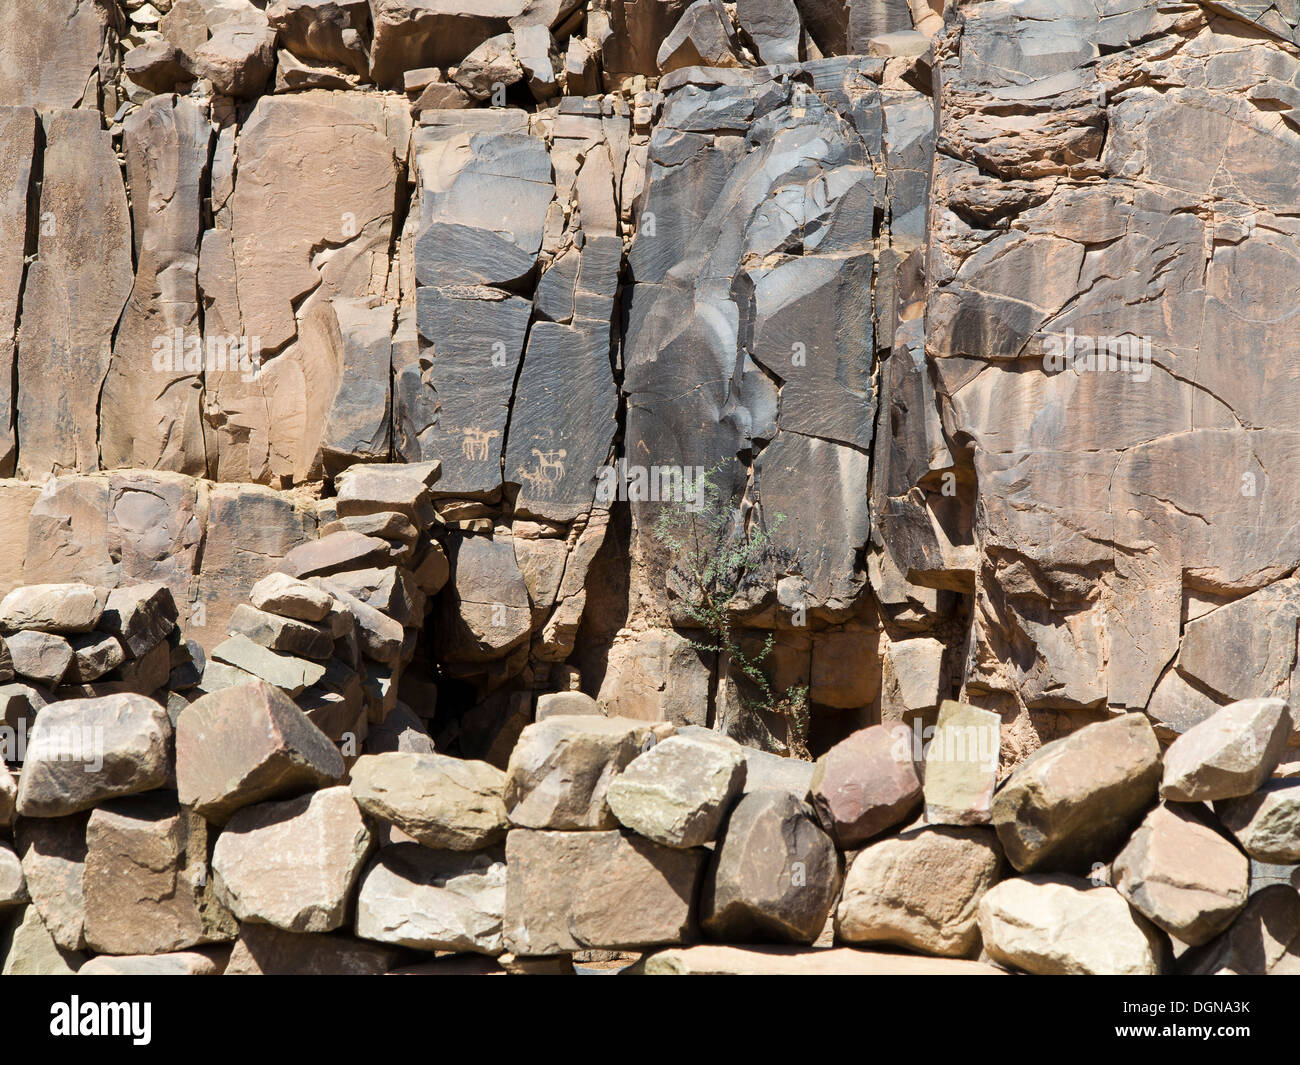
(234, 835)
(336, 624)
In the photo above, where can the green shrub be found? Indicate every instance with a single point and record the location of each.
(714, 557)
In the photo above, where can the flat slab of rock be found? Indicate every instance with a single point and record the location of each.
(1229, 754)
(146, 888)
(1075, 800)
(961, 765)
(278, 593)
(568, 891)
(263, 950)
(41, 657)
(382, 639)
(83, 751)
(678, 792)
(178, 963)
(920, 890)
(281, 634)
(335, 552)
(245, 744)
(773, 875)
(1183, 875)
(561, 768)
(443, 802)
(708, 960)
(53, 607)
(425, 899)
(288, 672)
(371, 489)
(1266, 822)
(864, 785)
(293, 864)
(1061, 926)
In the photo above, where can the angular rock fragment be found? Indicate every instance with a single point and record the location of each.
(288, 672)
(442, 802)
(159, 66)
(774, 873)
(179, 963)
(1060, 926)
(402, 730)
(1266, 822)
(245, 744)
(490, 68)
(338, 551)
(238, 58)
(140, 616)
(1073, 801)
(61, 608)
(263, 950)
(703, 37)
(146, 887)
(382, 639)
(419, 33)
(93, 655)
(54, 867)
(773, 26)
(29, 950)
(385, 525)
(329, 31)
(375, 489)
(292, 864)
(920, 890)
(961, 765)
(568, 891)
(281, 634)
(39, 656)
(433, 900)
(566, 704)
(1229, 754)
(1183, 875)
(678, 792)
(864, 785)
(561, 768)
(83, 751)
(488, 613)
(765, 771)
(1264, 938)
(278, 593)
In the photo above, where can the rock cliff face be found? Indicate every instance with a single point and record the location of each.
(375, 345)
(957, 307)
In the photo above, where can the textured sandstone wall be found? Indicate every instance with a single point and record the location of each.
(820, 245)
